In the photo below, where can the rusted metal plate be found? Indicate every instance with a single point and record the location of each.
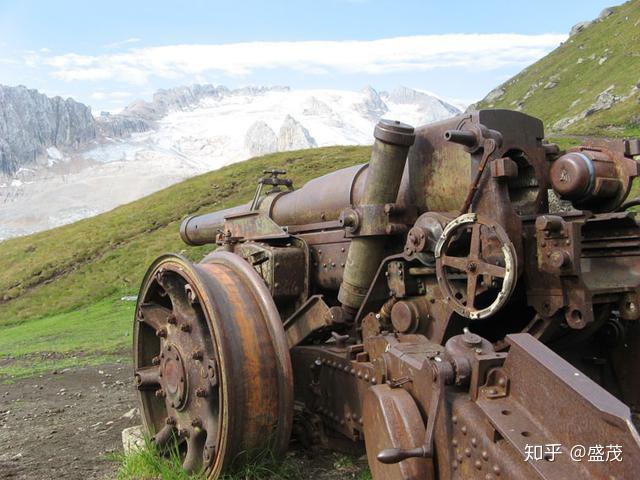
(564, 408)
(392, 420)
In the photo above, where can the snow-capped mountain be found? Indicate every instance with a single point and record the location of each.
(186, 131)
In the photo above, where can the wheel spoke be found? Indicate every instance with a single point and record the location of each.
(211, 442)
(175, 289)
(485, 268)
(459, 263)
(148, 378)
(472, 286)
(154, 315)
(195, 445)
(165, 434)
(474, 249)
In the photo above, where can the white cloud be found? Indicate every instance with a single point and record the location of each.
(121, 43)
(390, 55)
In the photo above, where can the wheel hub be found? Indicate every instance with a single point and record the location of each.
(174, 379)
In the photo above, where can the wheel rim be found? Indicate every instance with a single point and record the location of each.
(211, 363)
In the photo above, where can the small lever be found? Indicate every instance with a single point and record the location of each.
(396, 455)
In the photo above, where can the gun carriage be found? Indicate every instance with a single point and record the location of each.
(470, 291)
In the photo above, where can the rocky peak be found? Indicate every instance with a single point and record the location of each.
(260, 139)
(430, 106)
(373, 105)
(293, 136)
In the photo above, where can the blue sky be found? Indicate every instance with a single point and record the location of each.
(107, 54)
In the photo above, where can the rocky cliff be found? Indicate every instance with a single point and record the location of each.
(32, 122)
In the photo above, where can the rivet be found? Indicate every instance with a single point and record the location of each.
(464, 430)
(496, 469)
(454, 419)
(478, 464)
(485, 455)
(454, 465)
(474, 442)
(467, 452)
(454, 442)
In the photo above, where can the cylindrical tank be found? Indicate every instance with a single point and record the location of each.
(388, 158)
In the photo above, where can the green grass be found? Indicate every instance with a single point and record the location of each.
(90, 335)
(148, 463)
(580, 78)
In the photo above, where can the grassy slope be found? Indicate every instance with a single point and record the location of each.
(578, 84)
(90, 335)
(90, 264)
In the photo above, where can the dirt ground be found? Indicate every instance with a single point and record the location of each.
(65, 424)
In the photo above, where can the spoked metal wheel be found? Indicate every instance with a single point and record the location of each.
(212, 365)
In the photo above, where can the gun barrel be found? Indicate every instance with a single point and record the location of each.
(202, 229)
(319, 200)
(463, 137)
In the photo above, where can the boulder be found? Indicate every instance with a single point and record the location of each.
(133, 439)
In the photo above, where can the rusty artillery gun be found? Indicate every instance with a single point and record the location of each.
(465, 305)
